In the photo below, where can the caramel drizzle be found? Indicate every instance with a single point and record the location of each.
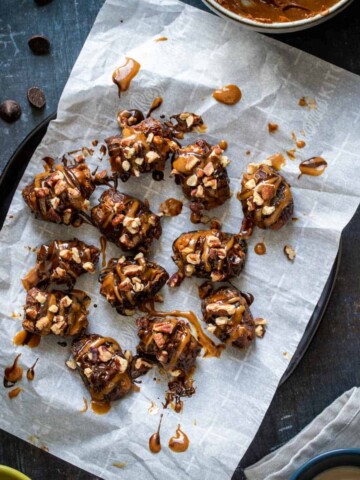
(157, 102)
(154, 440)
(179, 442)
(30, 374)
(314, 167)
(230, 94)
(103, 250)
(123, 75)
(23, 337)
(15, 392)
(13, 373)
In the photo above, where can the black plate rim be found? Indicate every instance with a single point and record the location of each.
(315, 319)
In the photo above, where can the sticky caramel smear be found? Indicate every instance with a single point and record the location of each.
(308, 102)
(85, 407)
(273, 127)
(100, 408)
(13, 373)
(277, 161)
(119, 464)
(103, 250)
(157, 102)
(30, 374)
(154, 440)
(179, 442)
(161, 39)
(26, 338)
(153, 409)
(230, 94)
(123, 75)
(260, 248)
(171, 207)
(223, 144)
(314, 167)
(300, 144)
(15, 392)
(291, 153)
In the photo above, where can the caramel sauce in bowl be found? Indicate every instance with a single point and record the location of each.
(291, 22)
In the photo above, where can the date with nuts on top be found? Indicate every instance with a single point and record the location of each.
(128, 282)
(266, 197)
(211, 254)
(60, 193)
(146, 144)
(103, 366)
(227, 314)
(61, 262)
(126, 221)
(201, 170)
(56, 312)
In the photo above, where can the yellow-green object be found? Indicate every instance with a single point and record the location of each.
(7, 473)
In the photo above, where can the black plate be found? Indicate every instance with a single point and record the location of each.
(14, 171)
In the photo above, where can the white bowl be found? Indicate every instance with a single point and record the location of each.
(277, 27)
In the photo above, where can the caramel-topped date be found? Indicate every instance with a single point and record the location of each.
(209, 254)
(141, 148)
(56, 312)
(201, 170)
(126, 221)
(60, 193)
(61, 262)
(266, 197)
(169, 342)
(228, 317)
(128, 282)
(103, 367)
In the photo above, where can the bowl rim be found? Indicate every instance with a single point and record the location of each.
(324, 456)
(12, 472)
(278, 25)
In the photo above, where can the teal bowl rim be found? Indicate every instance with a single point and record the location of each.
(323, 456)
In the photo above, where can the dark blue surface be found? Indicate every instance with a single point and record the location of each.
(332, 363)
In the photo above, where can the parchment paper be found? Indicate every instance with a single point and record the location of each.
(203, 52)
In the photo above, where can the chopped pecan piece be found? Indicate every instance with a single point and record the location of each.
(266, 197)
(128, 282)
(208, 254)
(227, 313)
(201, 170)
(60, 193)
(103, 367)
(61, 262)
(57, 312)
(126, 221)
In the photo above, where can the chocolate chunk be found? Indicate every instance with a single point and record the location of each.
(36, 97)
(10, 111)
(39, 45)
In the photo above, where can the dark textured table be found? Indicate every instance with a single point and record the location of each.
(332, 363)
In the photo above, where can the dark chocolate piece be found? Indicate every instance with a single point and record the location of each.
(39, 45)
(103, 367)
(61, 262)
(36, 97)
(208, 254)
(128, 282)
(60, 193)
(10, 111)
(57, 312)
(266, 197)
(227, 313)
(126, 221)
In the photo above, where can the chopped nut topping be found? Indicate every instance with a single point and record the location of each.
(268, 210)
(87, 372)
(89, 267)
(40, 298)
(192, 181)
(71, 364)
(289, 252)
(104, 354)
(53, 309)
